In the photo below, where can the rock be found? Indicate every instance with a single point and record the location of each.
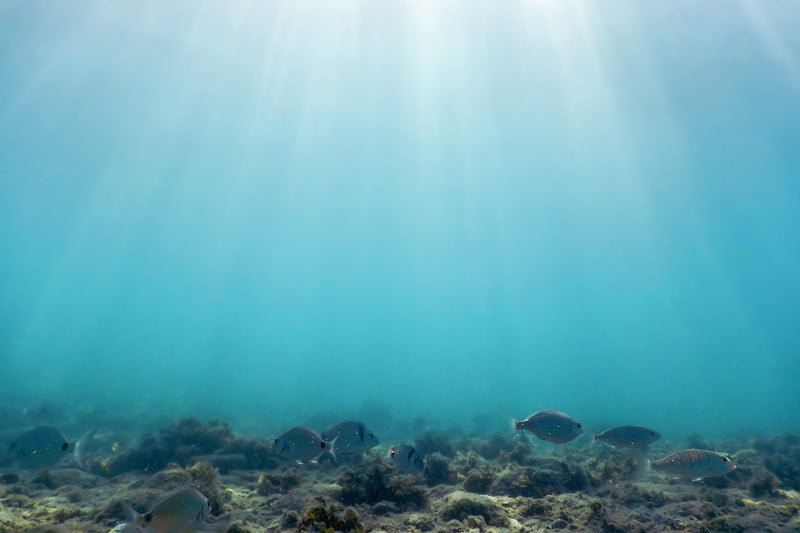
(559, 524)
(461, 505)
(421, 521)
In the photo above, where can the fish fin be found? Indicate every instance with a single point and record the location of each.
(642, 466)
(220, 527)
(695, 480)
(331, 449)
(514, 427)
(131, 515)
(79, 449)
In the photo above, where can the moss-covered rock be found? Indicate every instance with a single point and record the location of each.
(461, 505)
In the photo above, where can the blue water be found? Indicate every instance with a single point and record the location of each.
(461, 211)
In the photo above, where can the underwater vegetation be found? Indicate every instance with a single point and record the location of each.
(496, 482)
(379, 483)
(328, 518)
(187, 441)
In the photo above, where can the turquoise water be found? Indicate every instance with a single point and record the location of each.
(462, 211)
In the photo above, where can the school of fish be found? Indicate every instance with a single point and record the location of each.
(187, 509)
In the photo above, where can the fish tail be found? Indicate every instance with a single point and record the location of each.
(330, 450)
(642, 466)
(131, 514)
(514, 424)
(79, 451)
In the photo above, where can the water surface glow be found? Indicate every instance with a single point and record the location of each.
(443, 208)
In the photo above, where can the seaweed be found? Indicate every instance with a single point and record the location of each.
(479, 481)
(376, 484)
(364, 486)
(278, 482)
(325, 518)
(431, 442)
(763, 482)
(462, 505)
(548, 477)
(437, 470)
(189, 436)
(204, 478)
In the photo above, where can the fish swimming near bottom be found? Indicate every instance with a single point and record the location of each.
(550, 425)
(352, 438)
(628, 436)
(694, 464)
(81, 448)
(41, 446)
(303, 444)
(405, 458)
(183, 511)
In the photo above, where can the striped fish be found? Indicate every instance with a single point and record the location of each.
(694, 464)
(552, 426)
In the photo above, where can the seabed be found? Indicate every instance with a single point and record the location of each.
(499, 482)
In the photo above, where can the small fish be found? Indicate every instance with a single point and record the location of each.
(406, 459)
(694, 464)
(41, 446)
(183, 511)
(628, 436)
(302, 444)
(351, 438)
(81, 447)
(552, 426)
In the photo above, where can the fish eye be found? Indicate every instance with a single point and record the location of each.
(391, 453)
(276, 441)
(579, 425)
(724, 459)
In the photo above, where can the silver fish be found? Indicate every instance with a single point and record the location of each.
(550, 425)
(351, 438)
(628, 436)
(183, 511)
(41, 446)
(406, 459)
(694, 464)
(302, 444)
(81, 447)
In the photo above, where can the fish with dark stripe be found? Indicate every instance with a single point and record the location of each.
(351, 438)
(405, 458)
(694, 464)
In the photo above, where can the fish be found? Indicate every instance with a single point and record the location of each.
(41, 446)
(303, 444)
(182, 511)
(406, 459)
(628, 436)
(351, 438)
(550, 425)
(81, 447)
(694, 464)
